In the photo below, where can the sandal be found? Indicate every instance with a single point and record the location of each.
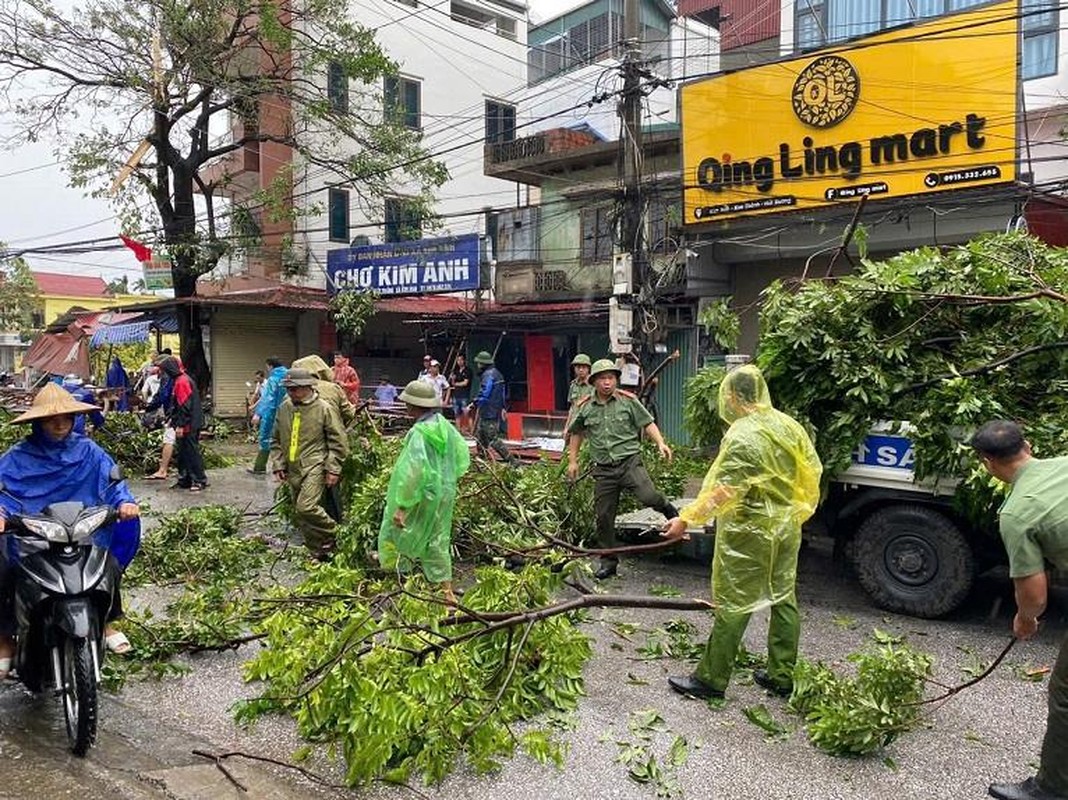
(155, 477)
(117, 643)
(5, 668)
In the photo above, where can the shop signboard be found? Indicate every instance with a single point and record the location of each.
(158, 274)
(918, 110)
(426, 266)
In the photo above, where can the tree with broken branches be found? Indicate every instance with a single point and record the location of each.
(943, 338)
(161, 100)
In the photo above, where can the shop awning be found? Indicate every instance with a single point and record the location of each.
(134, 332)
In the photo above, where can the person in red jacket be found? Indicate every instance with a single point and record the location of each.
(346, 377)
(185, 415)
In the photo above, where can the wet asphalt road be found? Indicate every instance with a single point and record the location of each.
(990, 732)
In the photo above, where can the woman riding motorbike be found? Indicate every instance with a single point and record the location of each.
(54, 464)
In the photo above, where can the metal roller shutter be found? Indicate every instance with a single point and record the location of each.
(240, 341)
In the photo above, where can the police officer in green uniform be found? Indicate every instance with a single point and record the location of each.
(613, 421)
(580, 386)
(1033, 522)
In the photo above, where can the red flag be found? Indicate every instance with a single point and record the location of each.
(143, 253)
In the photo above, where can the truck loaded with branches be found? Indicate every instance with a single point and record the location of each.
(924, 346)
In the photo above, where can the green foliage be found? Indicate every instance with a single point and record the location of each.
(700, 410)
(202, 551)
(19, 298)
(354, 661)
(352, 310)
(638, 754)
(721, 323)
(944, 339)
(855, 716)
(136, 449)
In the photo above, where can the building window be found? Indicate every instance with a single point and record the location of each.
(402, 101)
(402, 220)
(500, 122)
(338, 215)
(821, 22)
(337, 87)
(586, 42)
(1040, 27)
(597, 239)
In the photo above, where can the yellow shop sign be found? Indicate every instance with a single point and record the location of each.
(918, 110)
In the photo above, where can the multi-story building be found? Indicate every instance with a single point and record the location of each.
(1001, 65)
(462, 67)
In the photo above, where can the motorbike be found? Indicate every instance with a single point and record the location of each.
(65, 580)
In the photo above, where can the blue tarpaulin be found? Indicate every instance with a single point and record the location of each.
(133, 332)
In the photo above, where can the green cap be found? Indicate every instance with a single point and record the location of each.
(421, 394)
(581, 359)
(483, 358)
(298, 377)
(604, 365)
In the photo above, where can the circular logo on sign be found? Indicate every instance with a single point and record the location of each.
(826, 92)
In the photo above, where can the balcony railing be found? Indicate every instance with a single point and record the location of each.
(516, 150)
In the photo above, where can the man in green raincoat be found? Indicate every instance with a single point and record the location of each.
(417, 524)
(763, 484)
(308, 448)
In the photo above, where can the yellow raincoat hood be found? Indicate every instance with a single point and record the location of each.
(316, 366)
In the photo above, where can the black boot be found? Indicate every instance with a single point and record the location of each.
(606, 569)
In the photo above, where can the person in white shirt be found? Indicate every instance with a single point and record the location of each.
(436, 380)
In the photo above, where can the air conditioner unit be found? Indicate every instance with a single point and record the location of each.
(620, 325)
(622, 273)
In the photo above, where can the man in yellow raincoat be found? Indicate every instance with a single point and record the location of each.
(417, 523)
(762, 486)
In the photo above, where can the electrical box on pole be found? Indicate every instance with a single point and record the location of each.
(620, 325)
(622, 274)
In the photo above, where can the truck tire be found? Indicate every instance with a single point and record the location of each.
(913, 560)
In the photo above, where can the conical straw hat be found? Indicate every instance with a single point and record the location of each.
(52, 401)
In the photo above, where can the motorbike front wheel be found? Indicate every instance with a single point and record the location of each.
(79, 694)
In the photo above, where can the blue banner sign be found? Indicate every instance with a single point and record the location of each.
(449, 264)
(880, 450)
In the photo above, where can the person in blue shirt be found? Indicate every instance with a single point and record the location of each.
(490, 404)
(385, 393)
(266, 410)
(117, 378)
(56, 464)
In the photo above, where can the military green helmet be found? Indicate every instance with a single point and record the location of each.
(483, 358)
(580, 360)
(421, 394)
(604, 365)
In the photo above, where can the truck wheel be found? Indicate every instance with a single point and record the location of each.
(913, 560)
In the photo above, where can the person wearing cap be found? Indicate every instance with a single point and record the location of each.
(490, 405)
(55, 464)
(613, 421)
(427, 358)
(435, 380)
(308, 449)
(416, 527)
(185, 415)
(346, 377)
(580, 386)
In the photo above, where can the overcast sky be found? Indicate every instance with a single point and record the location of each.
(38, 208)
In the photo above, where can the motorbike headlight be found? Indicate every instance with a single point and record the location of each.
(89, 523)
(52, 531)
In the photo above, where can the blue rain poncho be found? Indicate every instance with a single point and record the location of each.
(764, 483)
(423, 483)
(39, 471)
(117, 378)
(271, 397)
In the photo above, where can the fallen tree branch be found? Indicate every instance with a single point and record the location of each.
(957, 689)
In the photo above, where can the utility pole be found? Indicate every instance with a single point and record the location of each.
(632, 233)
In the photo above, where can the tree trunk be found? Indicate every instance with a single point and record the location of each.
(181, 238)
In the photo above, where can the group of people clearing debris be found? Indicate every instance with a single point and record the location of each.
(762, 486)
